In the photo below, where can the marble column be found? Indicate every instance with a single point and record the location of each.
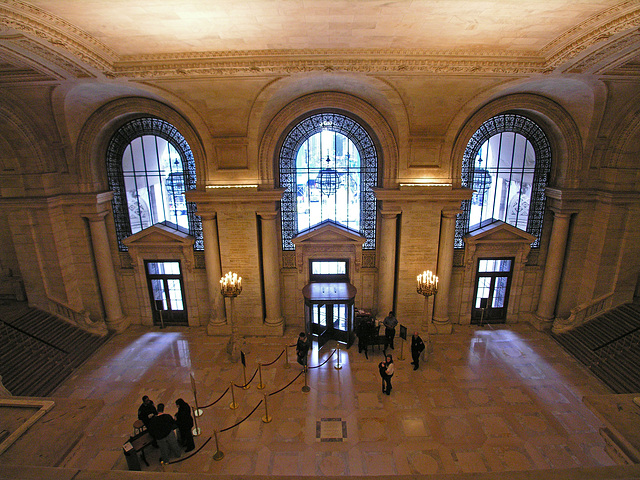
(115, 320)
(440, 322)
(217, 317)
(271, 270)
(553, 270)
(387, 265)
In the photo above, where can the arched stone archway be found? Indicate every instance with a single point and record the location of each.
(98, 130)
(561, 130)
(364, 113)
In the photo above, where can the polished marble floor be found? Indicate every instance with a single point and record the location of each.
(489, 399)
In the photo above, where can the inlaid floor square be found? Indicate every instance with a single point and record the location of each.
(331, 430)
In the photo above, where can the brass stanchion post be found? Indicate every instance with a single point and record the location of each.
(196, 429)
(401, 349)
(337, 366)
(233, 405)
(197, 411)
(218, 455)
(260, 384)
(244, 370)
(286, 358)
(266, 418)
(305, 388)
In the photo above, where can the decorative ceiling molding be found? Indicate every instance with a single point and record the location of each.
(608, 56)
(19, 70)
(40, 24)
(78, 52)
(363, 61)
(597, 28)
(49, 55)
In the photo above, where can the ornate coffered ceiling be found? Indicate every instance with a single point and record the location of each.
(122, 39)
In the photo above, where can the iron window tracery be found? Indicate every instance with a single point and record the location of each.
(366, 173)
(181, 178)
(478, 176)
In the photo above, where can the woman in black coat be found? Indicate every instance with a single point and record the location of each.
(185, 423)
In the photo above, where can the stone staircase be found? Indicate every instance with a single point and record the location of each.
(38, 351)
(609, 346)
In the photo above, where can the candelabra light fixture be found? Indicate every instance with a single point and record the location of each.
(427, 283)
(231, 287)
(427, 286)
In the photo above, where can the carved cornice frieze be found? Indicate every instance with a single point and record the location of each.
(597, 28)
(49, 55)
(290, 62)
(609, 53)
(60, 34)
(62, 43)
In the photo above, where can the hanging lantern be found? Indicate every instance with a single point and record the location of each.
(327, 179)
(481, 180)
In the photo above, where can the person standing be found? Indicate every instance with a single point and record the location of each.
(389, 371)
(161, 427)
(146, 410)
(389, 323)
(184, 420)
(302, 348)
(417, 346)
(382, 369)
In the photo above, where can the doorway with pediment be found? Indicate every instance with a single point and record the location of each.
(328, 259)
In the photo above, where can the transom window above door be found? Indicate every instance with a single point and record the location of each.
(329, 271)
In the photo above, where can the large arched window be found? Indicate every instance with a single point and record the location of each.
(507, 164)
(328, 166)
(150, 166)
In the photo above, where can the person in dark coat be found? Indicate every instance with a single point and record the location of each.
(146, 410)
(382, 369)
(389, 322)
(417, 346)
(302, 348)
(161, 428)
(184, 420)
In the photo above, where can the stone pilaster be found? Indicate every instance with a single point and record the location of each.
(553, 270)
(115, 319)
(271, 271)
(217, 316)
(387, 265)
(440, 322)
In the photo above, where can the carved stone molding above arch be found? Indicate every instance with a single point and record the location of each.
(624, 146)
(597, 28)
(607, 58)
(48, 36)
(560, 128)
(349, 105)
(95, 135)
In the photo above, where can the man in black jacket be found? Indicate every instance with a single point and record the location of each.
(161, 427)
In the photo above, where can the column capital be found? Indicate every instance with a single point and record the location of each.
(390, 213)
(268, 214)
(95, 216)
(450, 212)
(207, 215)
(560, 212)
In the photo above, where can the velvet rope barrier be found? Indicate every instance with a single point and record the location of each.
(250, 380)
(238, 423)
(219, 398)
(182, 459)
(254, 408)
(277, 358)
(288, 384)
(328, 358)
